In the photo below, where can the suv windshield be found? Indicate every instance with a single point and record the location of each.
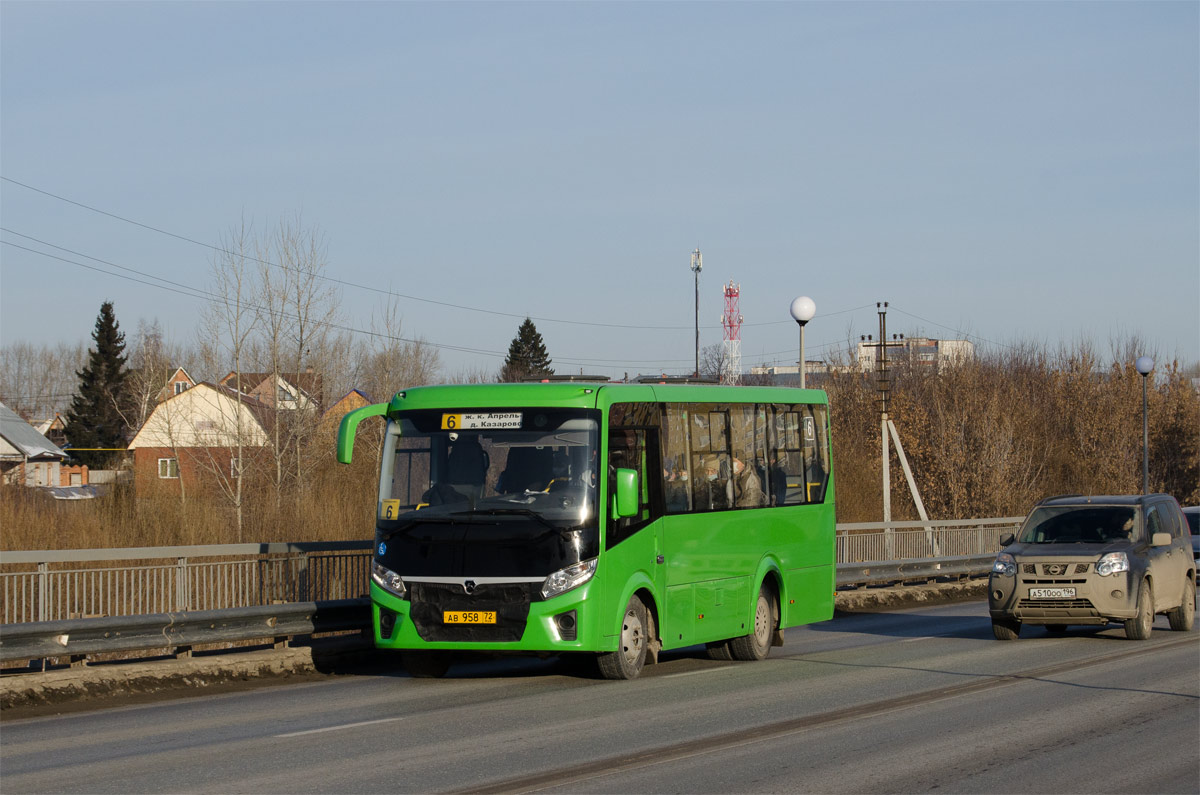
(1085, 524)
(532, 465)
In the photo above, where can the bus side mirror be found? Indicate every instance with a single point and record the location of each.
(627, 493)
(349, 427)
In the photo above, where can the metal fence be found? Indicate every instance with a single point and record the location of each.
(880, 541)
(71, 584)
(84, 583)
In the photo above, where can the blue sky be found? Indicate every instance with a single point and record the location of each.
(1014, 172)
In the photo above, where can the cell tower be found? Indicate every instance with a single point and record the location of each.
(731, 321)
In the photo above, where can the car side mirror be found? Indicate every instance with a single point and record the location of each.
(627, 492)
(1160, 540)
(1007, 539)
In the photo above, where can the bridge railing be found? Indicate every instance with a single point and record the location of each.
(63, 585)
(60, 585)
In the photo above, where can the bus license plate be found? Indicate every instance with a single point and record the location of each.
(469, 617)
(1051, 593)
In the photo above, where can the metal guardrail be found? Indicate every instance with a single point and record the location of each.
(173, 631)
(59, 585)
(901, 570)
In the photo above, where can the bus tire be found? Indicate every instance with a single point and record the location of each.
(757, 643)
(426, 664)
(718, 650)
(630, 657)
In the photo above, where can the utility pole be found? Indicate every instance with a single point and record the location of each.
(697, 266)
(886, 428)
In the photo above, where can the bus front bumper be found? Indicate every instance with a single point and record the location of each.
(560, 624)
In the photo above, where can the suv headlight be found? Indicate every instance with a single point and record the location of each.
(1112, 563)
(1004, 565)
(564, 580)
(387, 579)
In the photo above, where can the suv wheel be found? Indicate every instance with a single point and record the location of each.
(1006, 629)
(1138, 627)
(1183, 618)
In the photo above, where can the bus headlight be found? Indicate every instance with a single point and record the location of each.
(1112, 563)
(564, 580)
(387, 579)
(1004, 565)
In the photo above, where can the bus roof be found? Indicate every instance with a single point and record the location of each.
(591, 395)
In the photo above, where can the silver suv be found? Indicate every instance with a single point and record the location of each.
(1095, 560)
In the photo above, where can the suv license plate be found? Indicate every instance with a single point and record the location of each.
(1051, 593)
(469, 617)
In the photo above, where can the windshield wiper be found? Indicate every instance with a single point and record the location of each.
(410, 523)
(510, 512)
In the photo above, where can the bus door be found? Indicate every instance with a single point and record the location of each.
(636, 542)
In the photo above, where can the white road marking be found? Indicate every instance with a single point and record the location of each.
(693, 673)
(339, 728)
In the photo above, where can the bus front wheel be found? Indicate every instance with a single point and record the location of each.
(630, 657)
(757, 643)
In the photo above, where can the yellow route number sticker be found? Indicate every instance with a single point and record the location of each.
(474, 422)
(389, 509)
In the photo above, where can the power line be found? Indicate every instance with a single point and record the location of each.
(370, 288)
(957, 331)
(194, 292)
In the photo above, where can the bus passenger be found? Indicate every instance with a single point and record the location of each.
(676, 483)
(747, 488)
(711, 491)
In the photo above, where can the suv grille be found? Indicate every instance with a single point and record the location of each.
(1058, 573)
(510, 601)
(1055, 569)
(1048, 608)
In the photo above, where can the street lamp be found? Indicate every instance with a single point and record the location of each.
(697, 266)
(802, 310)
(1144, 365)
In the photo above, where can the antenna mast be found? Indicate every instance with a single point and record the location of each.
(731, 321)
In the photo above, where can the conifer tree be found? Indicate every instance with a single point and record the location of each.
(526, 355)
(98, 410)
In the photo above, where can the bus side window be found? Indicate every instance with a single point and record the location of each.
(786, 458)
(676, 460)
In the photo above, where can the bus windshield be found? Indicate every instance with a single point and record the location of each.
(478, 467)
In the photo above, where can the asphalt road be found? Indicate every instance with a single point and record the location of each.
(909, 701)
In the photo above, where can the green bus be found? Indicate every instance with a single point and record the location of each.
(610, 518)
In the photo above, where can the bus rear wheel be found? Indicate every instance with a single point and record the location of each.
(757, 643)
(719, 650)
(630, 657)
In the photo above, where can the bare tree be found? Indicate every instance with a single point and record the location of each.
(229, 322)
(296, 330)
(473, 375)
(152, 362)
(713, 361)
(390, 362)
(38, 380)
